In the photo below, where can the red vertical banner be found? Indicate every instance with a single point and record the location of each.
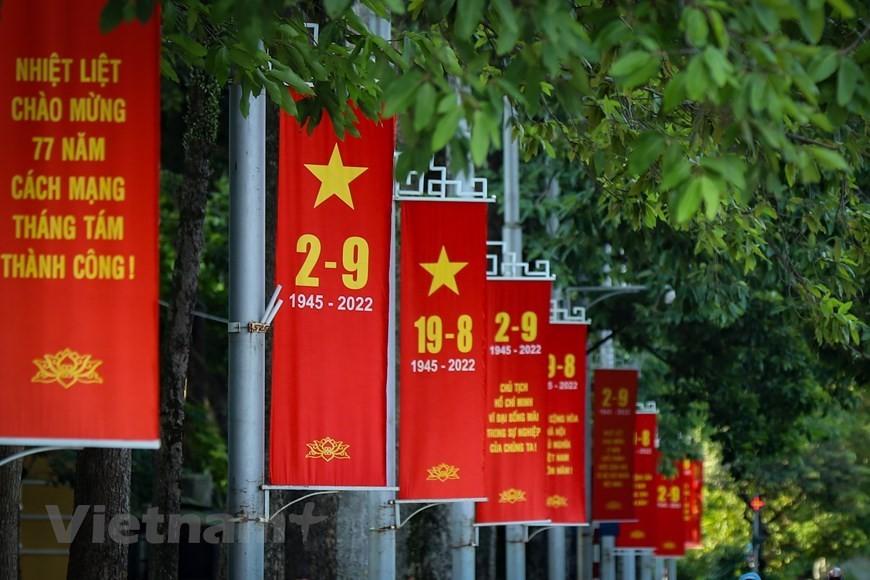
(328, 424)
(670, 528)
(442, 349)
(565, 344)
(515, 460)
(614, 399)
(695, 501)
(80, 136)
(641, 533)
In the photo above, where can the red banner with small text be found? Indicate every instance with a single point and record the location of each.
(670, 527)
(641, 533)
(329, 376)
(442, 349)
(693, 475)
(565, 344)
(515, 460)
(80, 136)
(614, 399)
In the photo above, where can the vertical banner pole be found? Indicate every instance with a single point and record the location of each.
(515, 551)
(608, 562)
(247, 349)
(382, 515)
(556, 553)
(659, 571)
(460, 515)
(628, 565)
(672, 569)
(382, 539)
(461, 522)
(646, 566)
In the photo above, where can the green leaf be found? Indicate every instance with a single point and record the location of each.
(112, 15)
(812, 23)
(635, 68)
(188, 44)
(710, 194)
(790, 174)
(479, 139)
(509, 31)
(730, 168)
(696, 27)
(167, 69)
(757, 93)
(630, 62)
(396, 6)
(689, 202)
(222, 65)
(334, 8)
(645, 150)
(696, 79)
(446, 128)
(828, 158)
(468, 15)
(611, 35)
(843, 7)
(821, 121)
(401, 93)
(719, 30)
(847, 80)
(144, 10)
(675, 92)
(767, 18)
(424, 108)
(294, 81)
(823, 65)
(718, 65)
(675, 169)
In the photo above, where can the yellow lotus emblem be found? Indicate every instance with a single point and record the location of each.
(637, 535)
(669, 545)
(67, 367)
(442, 472)
(511, 495)
(327, 449)
(613, 505)
(557, 501)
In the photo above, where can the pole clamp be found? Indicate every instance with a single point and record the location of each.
(252, 327)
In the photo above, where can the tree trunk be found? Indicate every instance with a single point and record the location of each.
(10, 498)
(424, 545)
(199, 141)
(310, 537)
(103, 487)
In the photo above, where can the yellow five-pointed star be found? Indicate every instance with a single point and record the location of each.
(443, 272)
(335, 178)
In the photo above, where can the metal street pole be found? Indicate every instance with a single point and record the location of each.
(460, 515)
(556, 554)
(646, 566)
(658, 568)
(515, 553)
(608, 560)
(756, 539)
(247, 345)
(556, 567)
(628, 568)
(461, 535)
(512, 236)
(381, 512)
(672, 569)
